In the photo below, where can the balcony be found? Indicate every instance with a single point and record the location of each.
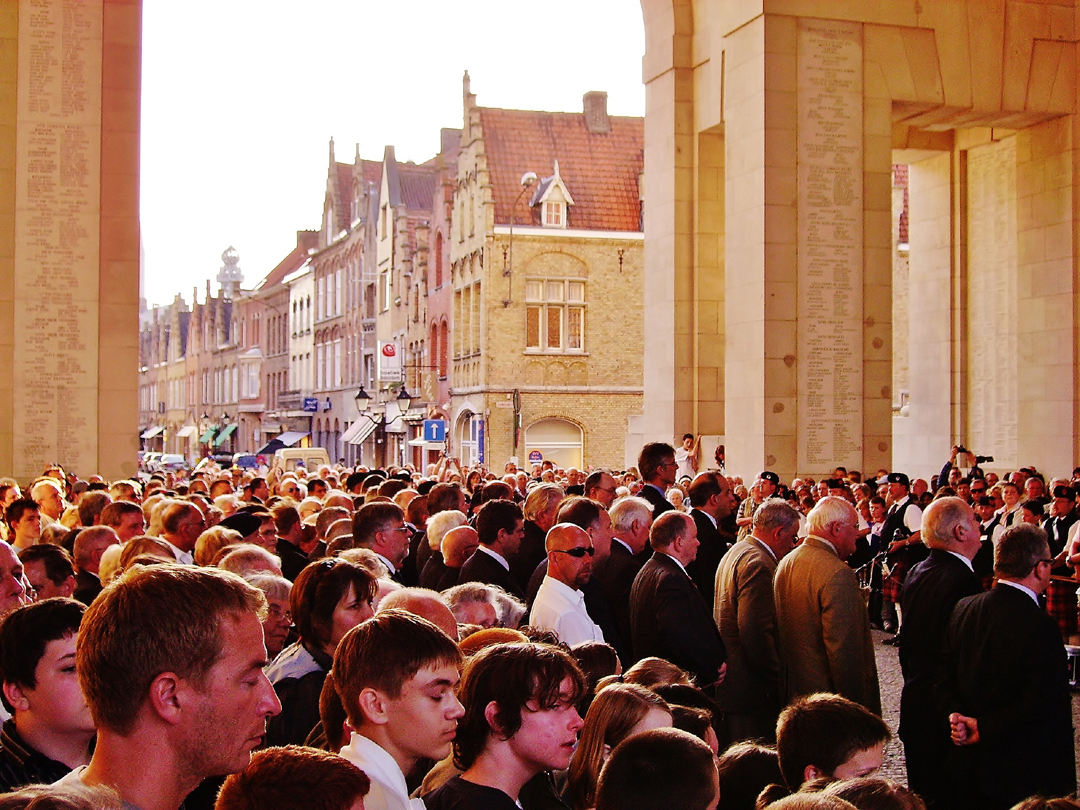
(290, 400)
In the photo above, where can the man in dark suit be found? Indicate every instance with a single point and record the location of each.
(713, 501)
(631, 519)
(950, 528)
(541, 507)
(1006, 685)
(90, 544)
(499, 526)
(745, 612)
(668, 617)
(658, 468)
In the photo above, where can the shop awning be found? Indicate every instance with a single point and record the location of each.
(359, 430)
(282, 440)
(419, 442)
(207, 437)
(226, 432)
(185, 431)
(150, 433)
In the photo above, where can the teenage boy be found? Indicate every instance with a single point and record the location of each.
(520, 720)
(295, 778)
(396, 674)
(657, 770)
(828, 736)
(51, 730)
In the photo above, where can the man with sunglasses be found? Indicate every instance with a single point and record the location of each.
(560, 605)
(669, 618)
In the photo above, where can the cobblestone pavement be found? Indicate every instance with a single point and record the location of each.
(892, 680)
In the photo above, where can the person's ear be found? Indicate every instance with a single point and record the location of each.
(811, 772)
(168, 696)
(491, 715)
(16, 696)
(605, 752)
(373, 707)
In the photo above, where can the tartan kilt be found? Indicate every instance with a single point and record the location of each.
(1061, 605)
(893, 585)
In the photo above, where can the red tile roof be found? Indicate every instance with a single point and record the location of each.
(600, 169)
(417, 185)
(293, 261)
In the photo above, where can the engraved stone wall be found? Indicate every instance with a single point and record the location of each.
(992, 303)
(830, 244)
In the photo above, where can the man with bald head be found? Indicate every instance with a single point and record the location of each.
(426, 604)
(560, 605)
(950, 528)
(458, 545)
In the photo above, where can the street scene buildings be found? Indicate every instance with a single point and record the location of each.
(493, 293)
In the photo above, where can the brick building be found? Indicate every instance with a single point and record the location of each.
(546, 272)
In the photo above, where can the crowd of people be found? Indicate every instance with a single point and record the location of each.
(660, 637)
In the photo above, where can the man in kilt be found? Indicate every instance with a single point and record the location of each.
(903, 538)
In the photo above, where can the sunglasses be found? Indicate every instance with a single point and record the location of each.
(578, 552)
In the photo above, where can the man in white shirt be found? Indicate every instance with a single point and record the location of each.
(181, 525)
(397, 674)
(560, 604)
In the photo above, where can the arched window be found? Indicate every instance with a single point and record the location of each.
(444, 338)
(438, 260)
(558, 440)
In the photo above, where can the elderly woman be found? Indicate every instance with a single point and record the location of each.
(278, 621)
(328, 599)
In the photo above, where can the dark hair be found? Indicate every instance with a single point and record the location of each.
(824, 730)
(57, 562)
(386, 651)
(17, 508)
(372, 518)
(317, 591)
(26, 631)
(695, 721)
(392, 487)
(285, 517)
(294, 778)
(332, 714)
(597, 660)
(91, 505)
(703, 487)
(442, 497)
(113, 513)
(658, 769)
(495, 515)
(652, 456)
(496, 490)
(1019, 550)
(511, 676)
(667, 527)
(581, 511)
(745, 770)
(876, 793)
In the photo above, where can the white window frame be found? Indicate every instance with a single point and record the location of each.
(554, 214)
(563, 299)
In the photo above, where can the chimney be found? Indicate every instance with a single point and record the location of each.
(596, 117)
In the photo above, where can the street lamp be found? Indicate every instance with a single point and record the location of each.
(527, 180)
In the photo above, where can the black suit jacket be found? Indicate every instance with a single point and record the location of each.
(433, 571)
(482, 567)
(531, 552)
(931, 591)
(293, 560)
(615, 578)
(669, 619)
(660, 504)
(712, 549)
(1005, 666)
(87, 587)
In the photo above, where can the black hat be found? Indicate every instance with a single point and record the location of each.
(899, 478)
(834, 483)
(770, 476)
(243, 522)
(1065, 492)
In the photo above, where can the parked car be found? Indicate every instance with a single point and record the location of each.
(248, 461)
(168, 462)
(310, 458)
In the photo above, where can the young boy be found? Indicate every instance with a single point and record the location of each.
(659, 769)
(520, 720)
(396, 674)
(825, 735)
(51, 731)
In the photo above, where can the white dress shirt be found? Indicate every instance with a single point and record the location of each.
(561, 609)
(388, 789)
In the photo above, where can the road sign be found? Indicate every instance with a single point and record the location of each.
(311, 404)
(434, 430)
(536, 457)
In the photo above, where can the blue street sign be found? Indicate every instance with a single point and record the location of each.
(480, 443)
(434, 430)
(311, 404)
(536, 457)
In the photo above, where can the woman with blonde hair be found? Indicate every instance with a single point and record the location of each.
(212, 541)
(617, 712)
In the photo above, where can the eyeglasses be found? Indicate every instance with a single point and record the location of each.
(397, 529)
(578, 552)
(277, 613)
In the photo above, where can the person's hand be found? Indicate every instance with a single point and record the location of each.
(955, 451)
(963, 730)
(895, 545)
(721, 674)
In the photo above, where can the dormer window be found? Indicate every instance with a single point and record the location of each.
(554, 214)
(553, 197)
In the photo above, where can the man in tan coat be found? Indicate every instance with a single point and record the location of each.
(746, 615)
(825, 641)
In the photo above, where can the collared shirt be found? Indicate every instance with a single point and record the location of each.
(826, 542)
(496, 555)
(681, 566)
(22, 765)
(182, 557)
(561, 609)
(963, 559)
(624, 545)
(389, 565)
(1034, 596)
(712, 520)
(388, 789)
(765, 546)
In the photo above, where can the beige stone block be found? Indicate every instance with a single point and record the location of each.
(781, 221)
(1031, 315)
(877, 229)
(1030, 177)
(1031, 246)
(781, 414)
(781, 258)
(877, 266)
(781, 340)
(781, 301)
(781, 71)
(781, 147)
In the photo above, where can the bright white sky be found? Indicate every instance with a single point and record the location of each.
(240, 99)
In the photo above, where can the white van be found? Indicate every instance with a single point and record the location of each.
(310, 458)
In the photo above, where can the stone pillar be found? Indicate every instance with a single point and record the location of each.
(69, 251)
